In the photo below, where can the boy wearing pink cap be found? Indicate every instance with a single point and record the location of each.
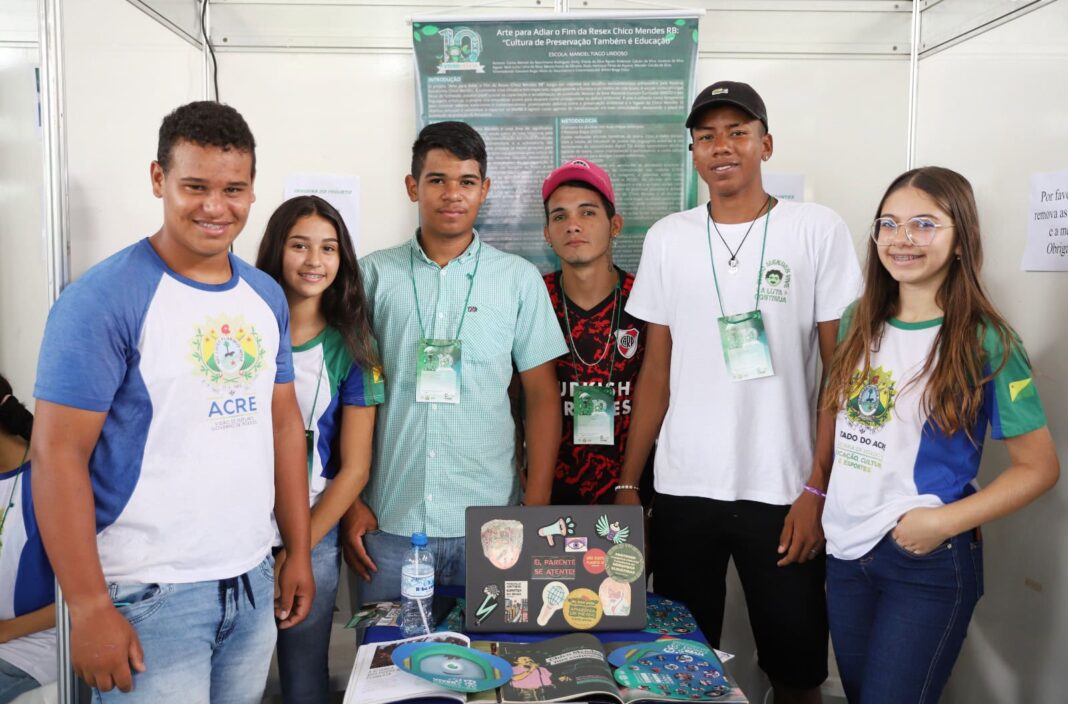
(589, 294)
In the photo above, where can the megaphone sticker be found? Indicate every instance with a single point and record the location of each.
(563, 526)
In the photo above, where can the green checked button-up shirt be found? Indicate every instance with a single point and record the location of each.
(433, 460)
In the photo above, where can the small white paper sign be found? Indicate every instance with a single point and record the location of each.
(785, 186)
(1047, 223)
(342, 192)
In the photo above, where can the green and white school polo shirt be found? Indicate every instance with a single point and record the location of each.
(891, 458)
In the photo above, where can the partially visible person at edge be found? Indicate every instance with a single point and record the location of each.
(925, 363)
(589, 293)
(307, 249)
(27, 585)
(730, 372)
(451, 314)
(167, 431)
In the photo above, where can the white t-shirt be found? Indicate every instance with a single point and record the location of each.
(183, 472)
(743, 440)
(26, 580)
(889, 456)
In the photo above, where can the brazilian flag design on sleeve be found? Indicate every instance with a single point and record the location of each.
(1015, 406)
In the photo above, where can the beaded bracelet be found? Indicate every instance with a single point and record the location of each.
(815, 491)
(622, 487)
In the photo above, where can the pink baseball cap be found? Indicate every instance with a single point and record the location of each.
(580, 170)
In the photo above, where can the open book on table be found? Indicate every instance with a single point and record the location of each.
(568, 668)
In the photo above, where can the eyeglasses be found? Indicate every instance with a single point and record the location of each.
(918, 231)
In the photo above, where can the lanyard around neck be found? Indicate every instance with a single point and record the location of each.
(575, 356)
(467, 299)
(712, 259)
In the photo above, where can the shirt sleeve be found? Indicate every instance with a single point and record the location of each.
(1015, 406)
(648, 300)
(362, 387)
(838, 279)
(537, 338)
(284, 361)
(90, 341)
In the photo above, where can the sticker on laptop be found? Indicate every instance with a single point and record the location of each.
(502, 542)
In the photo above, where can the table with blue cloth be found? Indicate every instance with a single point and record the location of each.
(378, 634)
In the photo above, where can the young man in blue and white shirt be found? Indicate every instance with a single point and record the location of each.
(167, 431)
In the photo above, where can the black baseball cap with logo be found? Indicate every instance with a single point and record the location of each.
(740, 95)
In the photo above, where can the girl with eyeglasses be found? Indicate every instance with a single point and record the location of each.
(307, 249)
(924, 365)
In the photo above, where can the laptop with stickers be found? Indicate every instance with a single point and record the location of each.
(555, 568)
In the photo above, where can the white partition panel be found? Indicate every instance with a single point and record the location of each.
(124, 72)
(994, 109)
(23, 269)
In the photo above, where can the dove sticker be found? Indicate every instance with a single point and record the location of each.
(612, 532)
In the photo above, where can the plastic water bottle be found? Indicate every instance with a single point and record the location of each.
(417, 588)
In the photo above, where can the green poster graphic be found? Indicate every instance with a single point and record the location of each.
(615, 90)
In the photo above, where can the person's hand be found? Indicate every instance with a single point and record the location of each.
(920, 531)
(802, 531)
(627, 497)
(105, 650)
(358, 521)
(295, 589)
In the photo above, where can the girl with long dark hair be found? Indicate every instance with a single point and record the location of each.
(307, 249)
(925, 363)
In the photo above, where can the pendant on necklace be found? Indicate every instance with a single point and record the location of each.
(732, 265)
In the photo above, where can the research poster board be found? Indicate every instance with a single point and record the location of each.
(615, 90)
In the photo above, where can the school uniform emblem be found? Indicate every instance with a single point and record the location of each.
(227, 351)
(627, 342)
(871, 399)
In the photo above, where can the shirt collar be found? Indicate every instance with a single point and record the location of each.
(466, 255)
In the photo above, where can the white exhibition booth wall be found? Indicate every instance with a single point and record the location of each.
(991, 107)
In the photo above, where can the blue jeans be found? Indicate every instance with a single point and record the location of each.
(898, 620)
(14, 681)
(204, 642)
(303, 650)
(388, 550)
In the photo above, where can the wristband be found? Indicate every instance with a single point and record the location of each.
(813, 490)
(622, 487)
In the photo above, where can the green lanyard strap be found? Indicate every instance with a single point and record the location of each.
(712, 259)
(14, 488)
(575, 356)
(467, 299)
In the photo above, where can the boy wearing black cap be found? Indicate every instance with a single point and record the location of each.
(589, 293)
(731, 374)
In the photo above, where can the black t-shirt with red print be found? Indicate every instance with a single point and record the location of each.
(587, 474)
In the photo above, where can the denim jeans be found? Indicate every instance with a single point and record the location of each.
(303, 650)
(898, 620)
(204, 642)
(13, 682)
(388, 550)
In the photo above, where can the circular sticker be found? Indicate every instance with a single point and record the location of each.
(676, 675)
(624, 563)
(615, 597)
(582, 609)
(453, 666)
(593, 561)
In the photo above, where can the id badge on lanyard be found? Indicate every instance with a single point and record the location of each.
(745, 346)
(594, 415)
(438, 368)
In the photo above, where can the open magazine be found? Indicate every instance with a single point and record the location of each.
(569, 668)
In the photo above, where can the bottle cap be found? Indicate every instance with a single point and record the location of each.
(419, 539)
